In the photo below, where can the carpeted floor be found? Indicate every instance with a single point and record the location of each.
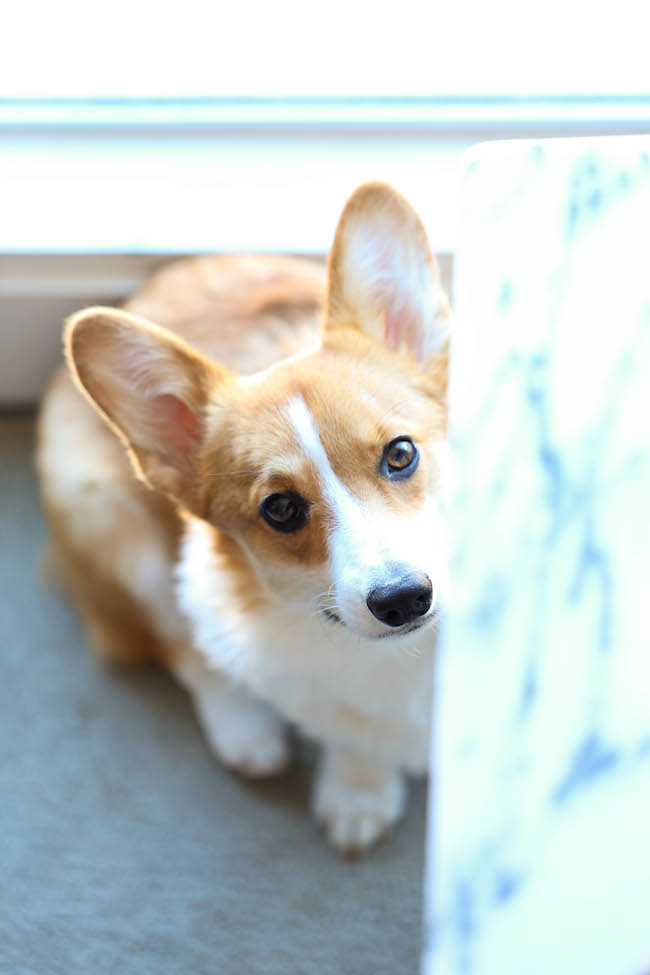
(124, 848)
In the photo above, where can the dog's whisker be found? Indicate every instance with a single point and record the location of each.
(413, 652)
(326, 592)
(325, 610)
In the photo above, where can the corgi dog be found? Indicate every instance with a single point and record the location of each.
(252, 491)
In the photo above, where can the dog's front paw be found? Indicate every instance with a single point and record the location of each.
(357, 800)
(245, 733)
(253, 744)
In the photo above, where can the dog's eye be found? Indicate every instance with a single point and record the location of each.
(400, 458)
(284, 512)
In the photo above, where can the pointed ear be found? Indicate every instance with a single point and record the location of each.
(150, 386)
(382, 276)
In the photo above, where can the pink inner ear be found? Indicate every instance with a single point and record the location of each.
(402, 328)
(178, 425)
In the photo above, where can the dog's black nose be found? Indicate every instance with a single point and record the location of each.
(401, 601)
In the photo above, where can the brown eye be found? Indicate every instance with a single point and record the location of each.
(400, 458)
(284, 512)
(400, 454)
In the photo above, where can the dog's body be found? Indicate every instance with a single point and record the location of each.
(290, 561)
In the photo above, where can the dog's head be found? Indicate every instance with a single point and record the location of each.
(324, 476)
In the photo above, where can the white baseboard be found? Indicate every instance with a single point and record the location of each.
(38, 292)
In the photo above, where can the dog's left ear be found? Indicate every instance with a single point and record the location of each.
(383, 278)
(150, 387)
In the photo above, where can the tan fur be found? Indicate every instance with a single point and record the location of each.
(249, 440)
(160, 445)
(244, 312)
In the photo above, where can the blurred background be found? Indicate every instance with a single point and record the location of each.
(131, 133)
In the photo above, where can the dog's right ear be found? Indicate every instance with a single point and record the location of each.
(150, 387)
(383, 278)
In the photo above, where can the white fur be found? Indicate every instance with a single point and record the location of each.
(366, 699)
(357, 799)
(369, 699)
(365, 539)
(243, 731)
(370, 694)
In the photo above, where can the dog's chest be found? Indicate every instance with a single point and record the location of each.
(334, 686)
(355, 705)
(336, 689)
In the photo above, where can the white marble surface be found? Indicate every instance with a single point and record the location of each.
(540, 817)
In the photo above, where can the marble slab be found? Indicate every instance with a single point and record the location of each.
(539, 852)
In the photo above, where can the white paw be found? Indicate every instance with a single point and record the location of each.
(245, 734)
(253, 746)
(355, 814)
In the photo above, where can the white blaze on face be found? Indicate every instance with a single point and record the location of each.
(366, 539)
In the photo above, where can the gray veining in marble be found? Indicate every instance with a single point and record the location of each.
(540, 825)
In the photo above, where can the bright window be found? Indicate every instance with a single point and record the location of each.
(137, 48)
(132, 131)
(140, 127)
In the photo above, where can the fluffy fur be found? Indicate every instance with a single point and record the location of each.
(159, 443)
